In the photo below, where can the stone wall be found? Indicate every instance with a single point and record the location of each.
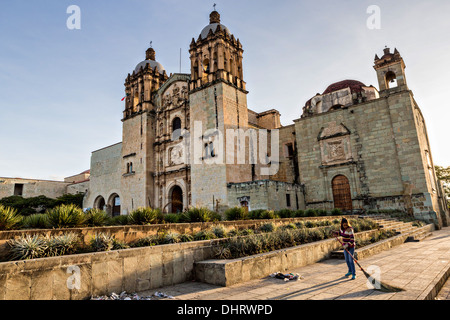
(105, 175)
(33, 187)
(375, 145)
(266, 194)
(81, 276)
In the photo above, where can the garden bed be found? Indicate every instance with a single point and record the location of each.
(132, 233)
(228, 272)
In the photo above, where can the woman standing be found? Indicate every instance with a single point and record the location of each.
(348, 237)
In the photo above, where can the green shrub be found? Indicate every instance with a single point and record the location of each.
(322, 212)
(147, 242)
(199, 215)
(267, 227)
(121, 220)
(66, 216)
(236, 213)
(96, 218)
(290, 226)
(9, 219)
(144, 216)
(310, 224)
(245, 232)
(311, 213)
(256, 214)
(204, 235)
(268, 214)
(336, 212)
(300, 225)
(219, 231)
(316, 235)
(299, 214)
(285, 213)
(36, 221)
(186, 238)
(171, 218)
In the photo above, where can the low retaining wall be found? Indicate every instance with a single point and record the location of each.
(81, 276)
(233, 271)
(133, 232)
(386, 244)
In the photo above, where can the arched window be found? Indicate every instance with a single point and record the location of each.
(176, 124)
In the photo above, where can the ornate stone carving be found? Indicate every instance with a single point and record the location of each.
(176, 155)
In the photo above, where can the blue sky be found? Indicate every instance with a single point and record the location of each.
(61, 89)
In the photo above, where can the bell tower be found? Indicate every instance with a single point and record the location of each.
(390, 70)
(218, 103)
(216, 56)
(138, 132)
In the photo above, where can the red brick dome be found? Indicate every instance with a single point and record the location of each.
(355, 86)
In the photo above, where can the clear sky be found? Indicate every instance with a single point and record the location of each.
(61, 89)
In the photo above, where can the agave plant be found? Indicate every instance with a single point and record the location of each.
(36, 221)
(222, 252)
(147, 242)
(171, 237)
(9, 219)
(106, 242)
(28, 247)
(66, 216)
(144, 216)
(267, 227)
(186, 238)
(220, 231)
(96, 217)
(61, 245)
(204, 235)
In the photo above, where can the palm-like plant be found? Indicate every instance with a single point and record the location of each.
(9, 219)
(144, 216)
(96, 217)
(66, 216)
(36, 221)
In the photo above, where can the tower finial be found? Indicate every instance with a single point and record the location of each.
(214, 6)
(214, 17)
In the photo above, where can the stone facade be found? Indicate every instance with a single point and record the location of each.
(190, 140)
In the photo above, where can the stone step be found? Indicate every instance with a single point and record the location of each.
(419, 236)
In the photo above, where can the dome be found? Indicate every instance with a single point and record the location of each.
(152, 63)
(355, 86)
(213, 27)
(214, 21)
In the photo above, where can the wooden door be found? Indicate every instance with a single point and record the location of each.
(341, 193)
(177, 199)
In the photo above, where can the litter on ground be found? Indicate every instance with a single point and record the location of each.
(286, 276)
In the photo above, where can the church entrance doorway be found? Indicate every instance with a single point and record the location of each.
(177, 200)
(341, 193)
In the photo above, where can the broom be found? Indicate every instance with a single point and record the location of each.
(383, 286)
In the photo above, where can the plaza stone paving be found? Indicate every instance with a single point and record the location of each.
(414, 266)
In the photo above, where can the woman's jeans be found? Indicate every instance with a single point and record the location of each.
(349, 260)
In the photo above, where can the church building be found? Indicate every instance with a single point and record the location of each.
(190, 140)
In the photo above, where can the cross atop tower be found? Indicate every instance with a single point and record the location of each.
(214, 6)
